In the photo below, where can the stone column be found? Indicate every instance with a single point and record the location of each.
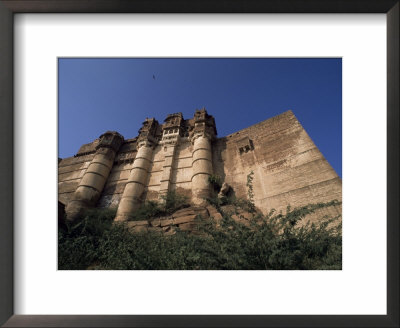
(131, 198)
(202, 168)
(91, 186)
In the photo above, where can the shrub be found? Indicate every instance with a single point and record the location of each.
(78, 243)
(271, 242)
(173, 201)
(170, 202)
(146, 211)
(250, 192)
(215, 181)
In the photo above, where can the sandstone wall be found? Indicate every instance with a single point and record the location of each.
(181, 172)
(70, 173)
(154, 179)
(72, 169)
(119, 174)
(181, 177)
(288, 168)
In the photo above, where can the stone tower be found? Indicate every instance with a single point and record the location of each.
(95, 176)
(132, 196)
(180, 154)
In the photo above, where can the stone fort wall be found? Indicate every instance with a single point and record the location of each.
(180, 155)
(288, 167)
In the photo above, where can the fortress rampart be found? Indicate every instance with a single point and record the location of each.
(179, 155)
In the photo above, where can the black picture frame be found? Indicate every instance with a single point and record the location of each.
(7, 10)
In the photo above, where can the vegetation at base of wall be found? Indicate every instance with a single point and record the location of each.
(230, 199)
(217, 202)
(250, 192)
(270, 242)
(215, 181)
(170, 202)
(173, 201)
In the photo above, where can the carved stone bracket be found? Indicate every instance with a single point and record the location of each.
(147, 142)
(197, 134)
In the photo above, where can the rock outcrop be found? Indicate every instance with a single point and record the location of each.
(189, 219)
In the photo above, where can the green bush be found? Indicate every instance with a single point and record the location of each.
(78, 243)
(173, 201)
(230, 199)
(250, 192)
(215, 181)
(271, 242)
(148, 210)
(170, 202)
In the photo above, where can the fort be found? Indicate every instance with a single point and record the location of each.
(181, 154)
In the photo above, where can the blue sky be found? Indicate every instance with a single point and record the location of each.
(96, 95)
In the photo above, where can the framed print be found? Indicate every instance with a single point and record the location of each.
(363, 293)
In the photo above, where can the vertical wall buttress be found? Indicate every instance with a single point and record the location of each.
(202, 169)
(92, 183)
(202, 135)
(132, 196)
